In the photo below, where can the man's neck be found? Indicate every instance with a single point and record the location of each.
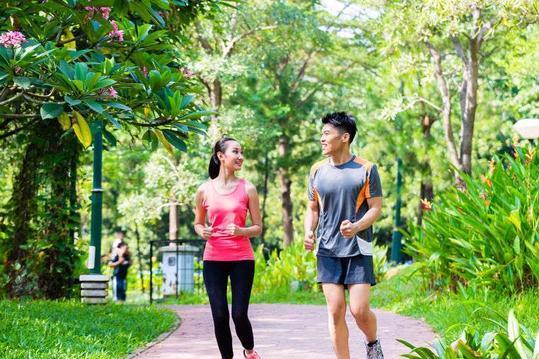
(340, 157)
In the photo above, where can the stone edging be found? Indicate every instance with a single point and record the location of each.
(159, 339)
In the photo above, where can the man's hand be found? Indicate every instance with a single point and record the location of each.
(348, 229)
(308, 242)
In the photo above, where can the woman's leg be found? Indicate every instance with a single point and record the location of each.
(215, 280)
(241, 280)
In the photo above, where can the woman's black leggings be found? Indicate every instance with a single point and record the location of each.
(241, 274)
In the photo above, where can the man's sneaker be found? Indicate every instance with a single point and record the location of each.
(253, 355)
(374, 351)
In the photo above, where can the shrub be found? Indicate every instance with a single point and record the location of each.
(486, 235)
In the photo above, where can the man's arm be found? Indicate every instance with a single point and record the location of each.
(311, 222)
(350, 229)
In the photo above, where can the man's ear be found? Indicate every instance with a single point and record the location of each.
(346, 137)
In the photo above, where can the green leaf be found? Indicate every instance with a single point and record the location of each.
(186, 101)
(196, 114)
(110, 137)
(174, 140)
(119, 106)
(72, 101)
(22, 82)
(94, 106)
(51, 110)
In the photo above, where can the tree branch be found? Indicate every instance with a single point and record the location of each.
(460, 50)
(16, 130)
(232, 44)
(11, 99)
(203, 41)
(301, 72)
(446, 99)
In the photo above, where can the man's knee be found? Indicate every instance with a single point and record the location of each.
(337, 311)
(361, 313)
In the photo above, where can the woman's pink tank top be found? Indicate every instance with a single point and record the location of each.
(222, 210)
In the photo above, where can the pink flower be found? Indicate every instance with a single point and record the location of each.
(115, 33)
(109, 92)
(145, 71)
(12, 39)
(105, 12)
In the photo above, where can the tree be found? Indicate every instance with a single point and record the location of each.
(456, 35)
(68, 66)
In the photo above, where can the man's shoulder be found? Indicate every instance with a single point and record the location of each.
(317, 166)
(363, 162)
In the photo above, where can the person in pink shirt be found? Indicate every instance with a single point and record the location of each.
(222, 204)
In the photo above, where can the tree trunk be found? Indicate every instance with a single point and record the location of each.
(41, 258)
(286, 184)
(173, 219)
(264, 196)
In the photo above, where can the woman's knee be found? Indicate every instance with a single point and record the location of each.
(240, 317)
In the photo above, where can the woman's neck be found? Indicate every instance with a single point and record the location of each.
(226, 176)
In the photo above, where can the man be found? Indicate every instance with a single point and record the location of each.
(119, 234)
(345, 199)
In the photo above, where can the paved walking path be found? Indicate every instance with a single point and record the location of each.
(284, 331)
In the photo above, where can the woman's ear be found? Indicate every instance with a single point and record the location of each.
(220, 156)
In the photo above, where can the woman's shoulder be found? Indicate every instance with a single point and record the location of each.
(249, 187)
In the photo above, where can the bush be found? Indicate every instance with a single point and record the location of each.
(486, 235)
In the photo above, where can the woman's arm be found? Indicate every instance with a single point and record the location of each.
(201, 228)
(255, 229)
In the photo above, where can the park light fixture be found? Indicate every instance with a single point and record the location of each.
(527, 128)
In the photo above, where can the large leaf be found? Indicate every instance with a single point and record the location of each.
(82, 130)
(51, 110)
(163, 141)
(173, 139)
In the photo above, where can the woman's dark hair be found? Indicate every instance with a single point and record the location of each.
(215, 164)
(342, 121)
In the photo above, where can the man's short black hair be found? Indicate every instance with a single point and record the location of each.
(121, 244)
(342, 121)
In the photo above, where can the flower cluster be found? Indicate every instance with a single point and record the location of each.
(12, 39)
(115, 33)
(104, 11)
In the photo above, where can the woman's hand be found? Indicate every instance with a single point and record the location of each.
(206, 232)
(234, 230)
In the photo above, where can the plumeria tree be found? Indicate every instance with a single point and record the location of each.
(66, 67)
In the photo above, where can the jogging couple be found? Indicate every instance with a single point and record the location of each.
(345, 199)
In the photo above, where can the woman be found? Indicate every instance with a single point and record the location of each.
(225, 200)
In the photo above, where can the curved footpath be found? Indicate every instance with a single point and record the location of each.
(284, 331)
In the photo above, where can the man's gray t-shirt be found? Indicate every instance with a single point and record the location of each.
(342, 192)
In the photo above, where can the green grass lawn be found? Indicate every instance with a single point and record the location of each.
(48, 329)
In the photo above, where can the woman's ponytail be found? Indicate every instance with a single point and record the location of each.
(215, 165)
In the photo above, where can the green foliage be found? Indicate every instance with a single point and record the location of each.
(66, 330)
(487, 235)
(515, 341)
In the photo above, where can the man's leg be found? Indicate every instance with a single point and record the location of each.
(360, 309)
(338, 330)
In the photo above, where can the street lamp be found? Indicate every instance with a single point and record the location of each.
(527, 128)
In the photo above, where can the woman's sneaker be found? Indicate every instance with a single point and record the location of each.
(374, 350)
(253, 355)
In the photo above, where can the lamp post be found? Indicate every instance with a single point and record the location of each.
(94, 285)
(527, 128)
